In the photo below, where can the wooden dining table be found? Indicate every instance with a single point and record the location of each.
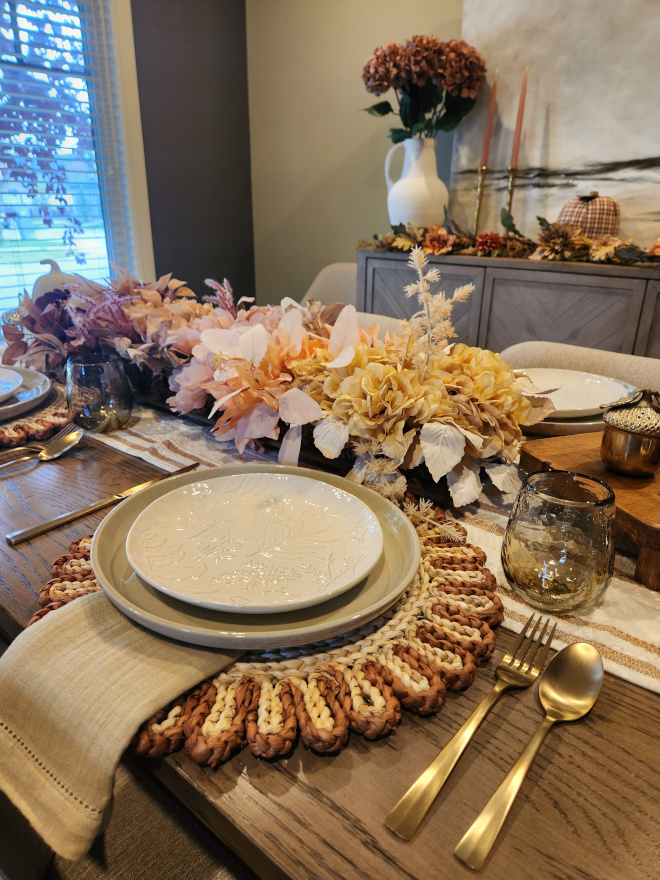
(588, 809)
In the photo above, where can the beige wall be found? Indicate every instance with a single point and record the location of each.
(317, 162)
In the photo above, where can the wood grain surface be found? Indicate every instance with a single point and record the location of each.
(588, 809)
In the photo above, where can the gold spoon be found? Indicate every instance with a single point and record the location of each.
(54, 449)
(568, 689)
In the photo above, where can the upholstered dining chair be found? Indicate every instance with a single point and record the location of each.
(337, 283)
(642, 372)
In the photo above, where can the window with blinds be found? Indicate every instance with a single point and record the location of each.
(62, 176)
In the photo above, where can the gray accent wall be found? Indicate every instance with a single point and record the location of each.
(192, 77)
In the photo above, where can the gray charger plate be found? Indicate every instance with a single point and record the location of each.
(202, 626)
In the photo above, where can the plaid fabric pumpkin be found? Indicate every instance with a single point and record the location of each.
(594, 215)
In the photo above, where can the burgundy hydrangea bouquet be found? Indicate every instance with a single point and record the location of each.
(436, 84)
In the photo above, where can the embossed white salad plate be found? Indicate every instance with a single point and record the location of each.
(33, 389)
(577, 394)
(255, 543)
(153, 609)
(10, 380)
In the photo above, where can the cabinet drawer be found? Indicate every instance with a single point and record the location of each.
(381, 291)
(595, 312)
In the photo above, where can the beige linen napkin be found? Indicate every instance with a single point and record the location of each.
(74, 688)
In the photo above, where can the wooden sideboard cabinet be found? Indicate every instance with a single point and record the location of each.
(610, 307)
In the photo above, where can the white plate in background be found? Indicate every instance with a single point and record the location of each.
(578, 394)
(34, 388)
(10, 380)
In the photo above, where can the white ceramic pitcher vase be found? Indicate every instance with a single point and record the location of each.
(418, 194)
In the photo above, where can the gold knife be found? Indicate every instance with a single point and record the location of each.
(15, 538)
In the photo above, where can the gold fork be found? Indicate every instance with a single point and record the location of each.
(516, 670)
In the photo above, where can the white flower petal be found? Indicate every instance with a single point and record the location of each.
(253, 344)
(343, 359)
(330, 436)
(443, 447)
(288, 303)
(220, 341)
(345, 333)
(298, 408)
(220, 403)
(290, 331)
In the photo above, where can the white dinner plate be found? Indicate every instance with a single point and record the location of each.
(34, 388)
(255, 543)
(9, 382)
(578, 394)
(193, 624)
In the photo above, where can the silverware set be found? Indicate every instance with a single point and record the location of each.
(57, 445)
(568, 689)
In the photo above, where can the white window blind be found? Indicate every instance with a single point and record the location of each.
(63, 191)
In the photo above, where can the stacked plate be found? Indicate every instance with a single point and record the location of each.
(254, 557)
(578, 399)
(20, 391)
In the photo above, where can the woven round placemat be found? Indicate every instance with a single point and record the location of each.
(430, 642)
(50, 417)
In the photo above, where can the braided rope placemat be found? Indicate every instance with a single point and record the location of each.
(430, 642)
(50, 417)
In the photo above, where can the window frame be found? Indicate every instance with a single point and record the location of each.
(131, 123)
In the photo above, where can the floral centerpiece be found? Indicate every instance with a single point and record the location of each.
(435, 84)
(396, 403)
(268, 371)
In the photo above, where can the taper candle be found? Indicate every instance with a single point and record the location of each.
(518, 130)
(489, 124)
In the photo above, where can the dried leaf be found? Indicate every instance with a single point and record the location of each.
(443, 447)
(524, 385)
(358, 471)
(475, 439)
(504, 476)
(541, 407)
(464, 483)
(414, 456)
(330, 436)
(403, 243)
(290, 448)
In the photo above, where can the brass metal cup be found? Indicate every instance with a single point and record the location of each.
(628, 453)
